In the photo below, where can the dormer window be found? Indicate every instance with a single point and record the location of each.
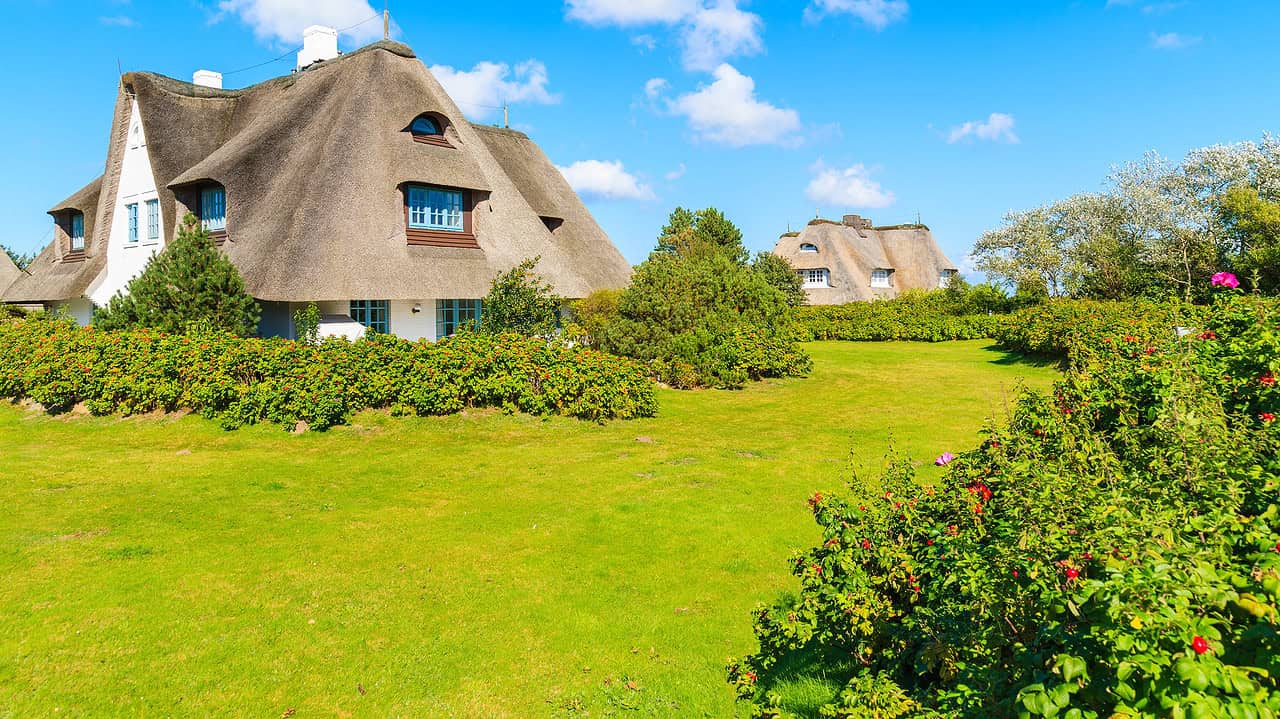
(882, 278)
(77, 232)
(213, 210)
(429, 129)
(439, 216)
(808, 247)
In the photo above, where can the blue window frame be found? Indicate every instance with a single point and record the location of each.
(372, 314)
(452, 314)
(153, 219)
(425, 125)
(433, 208)
(132, 211)
(213, 209)
(77, 231)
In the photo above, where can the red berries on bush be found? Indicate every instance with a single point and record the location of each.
(1072, 572)
(1200, 645)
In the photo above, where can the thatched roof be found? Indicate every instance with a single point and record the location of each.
(850, 254)
(8, 271)
(48, 277)
(312, 163)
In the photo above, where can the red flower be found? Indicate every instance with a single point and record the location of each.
(929, 543)
(1208, 335)
(1267, 417)
(1072, 572)
(1267, 380)
(981, 491)
(1199, 645)
(866, 544)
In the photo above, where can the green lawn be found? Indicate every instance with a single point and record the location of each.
(472, 566)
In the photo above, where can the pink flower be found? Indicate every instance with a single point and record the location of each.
(944, 459)
(1225, 279)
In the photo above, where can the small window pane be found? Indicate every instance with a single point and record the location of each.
(373, 314)
(435, 209)
(132, 211)
(815, 278)
(213, 209)
(806, 247)
(880, 278)
(425, 126)
(77, 231)
(453, 314)
(153, 219)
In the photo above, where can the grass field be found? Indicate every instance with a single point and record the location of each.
(472, 566)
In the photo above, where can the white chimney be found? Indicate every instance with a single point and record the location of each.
(208, 78)
(318, 43)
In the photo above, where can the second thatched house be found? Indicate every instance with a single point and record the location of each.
(855, 261)
(8, 272)
(355, 182)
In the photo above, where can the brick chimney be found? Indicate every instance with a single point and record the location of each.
(318, 43)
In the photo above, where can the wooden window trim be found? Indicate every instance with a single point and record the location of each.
(419, 237)
(197, 209)
(437, 140)
(74, 256)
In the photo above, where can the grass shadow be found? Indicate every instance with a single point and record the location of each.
(1010, 358)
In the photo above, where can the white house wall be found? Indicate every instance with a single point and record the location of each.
(402, 321)
(126, 260)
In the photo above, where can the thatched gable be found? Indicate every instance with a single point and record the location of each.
(8, 271)
(49, 278)
(314, 164)
(851, 251)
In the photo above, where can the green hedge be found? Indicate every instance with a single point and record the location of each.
(891, 320)
(1068, 328)
(244, 381)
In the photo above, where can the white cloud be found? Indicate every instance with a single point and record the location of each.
(481, 90)
(1173, 41)
(879, 14)
(284, 20)
(851, 187)
(727, 112)
(655, 87)
(646, 42)
(677, 173)
(629, 12)
(997, 128)
(118, 21)
(605, 180)
(720, 31)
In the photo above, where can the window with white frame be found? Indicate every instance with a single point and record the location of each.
(815, 278)
(153, 220)
(131, 210)
(882, 278)
(433, 208)
(808, 247)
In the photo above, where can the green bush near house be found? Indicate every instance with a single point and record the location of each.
(521, 301)
(700, 315)
(244, 381)
(190, 283)
(934, 316)
(1112, 550)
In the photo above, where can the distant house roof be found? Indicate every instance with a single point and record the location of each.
(48, 278)
(8, 271)
(312, 163)
(852, 251)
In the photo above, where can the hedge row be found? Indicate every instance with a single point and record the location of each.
(891, 320)
(1070, 328)
(244, 381)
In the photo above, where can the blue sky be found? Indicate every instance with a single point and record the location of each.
(770, 109)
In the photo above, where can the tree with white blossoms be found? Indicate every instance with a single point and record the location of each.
(1157, 228)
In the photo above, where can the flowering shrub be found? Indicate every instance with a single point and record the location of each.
(244, 381)
(1064, 327)
(1112, 550)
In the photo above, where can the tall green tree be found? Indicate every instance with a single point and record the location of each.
(689, 232)
(190, 283)
(1253, 236)
(522, 301)
(777, 271)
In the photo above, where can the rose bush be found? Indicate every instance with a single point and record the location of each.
(936, 316)
(243, 381)
(1111, 550)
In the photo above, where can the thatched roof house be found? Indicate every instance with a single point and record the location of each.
(854, 261)
(354, 182)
